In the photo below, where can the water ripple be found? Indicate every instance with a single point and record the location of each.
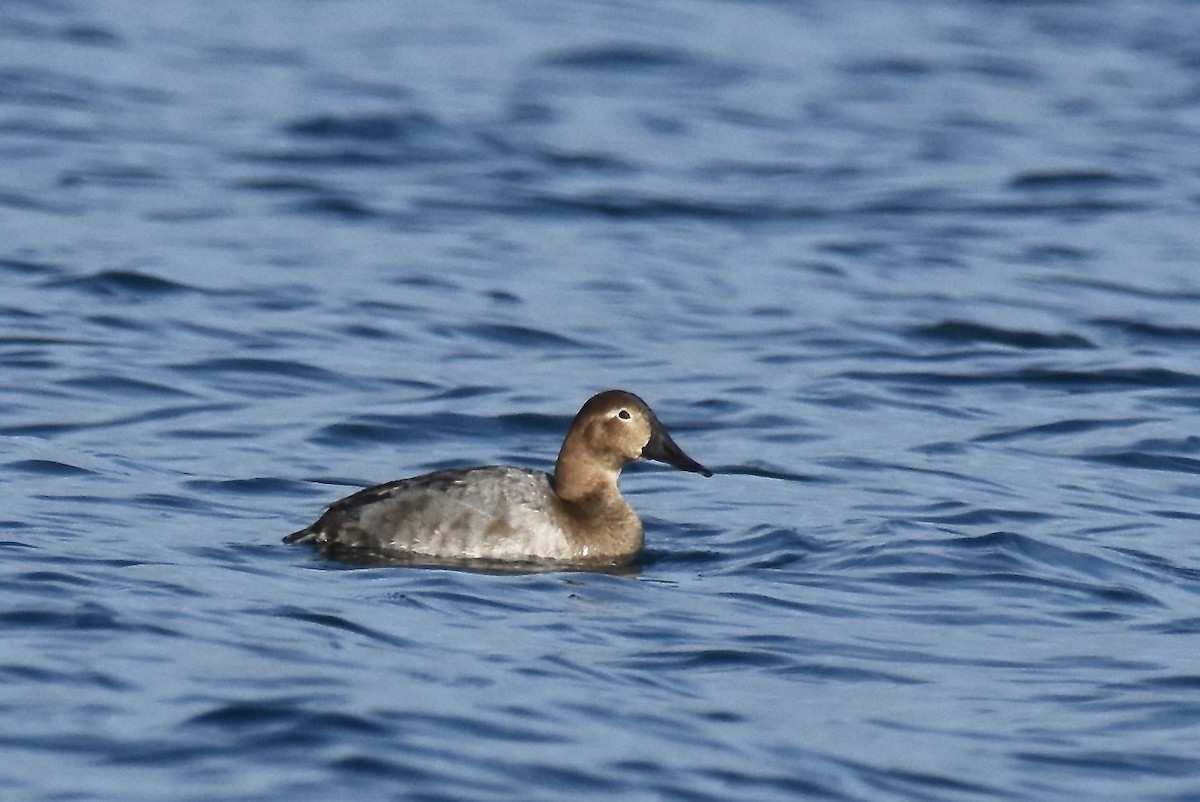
(956, 331)
(125, 284)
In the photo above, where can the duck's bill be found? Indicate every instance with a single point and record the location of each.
(662, 448)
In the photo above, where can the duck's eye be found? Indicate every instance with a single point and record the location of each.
(623, 414)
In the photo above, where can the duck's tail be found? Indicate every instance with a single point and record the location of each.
(303, 536)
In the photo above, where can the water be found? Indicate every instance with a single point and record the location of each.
(920, 281)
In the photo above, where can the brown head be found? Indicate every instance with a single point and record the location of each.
(613, 429)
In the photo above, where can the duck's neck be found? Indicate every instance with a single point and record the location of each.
(580, 480)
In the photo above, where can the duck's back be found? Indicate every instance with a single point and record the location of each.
(493, 513)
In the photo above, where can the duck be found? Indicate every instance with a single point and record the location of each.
(504, 515)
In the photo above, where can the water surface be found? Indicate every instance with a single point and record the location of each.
(919, 282)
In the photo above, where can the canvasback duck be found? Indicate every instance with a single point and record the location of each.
(498, 514)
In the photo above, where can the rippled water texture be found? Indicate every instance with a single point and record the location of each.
(920, 281)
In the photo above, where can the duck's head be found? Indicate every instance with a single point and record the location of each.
(616, 427)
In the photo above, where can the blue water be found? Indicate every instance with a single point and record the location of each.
(920, 281)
